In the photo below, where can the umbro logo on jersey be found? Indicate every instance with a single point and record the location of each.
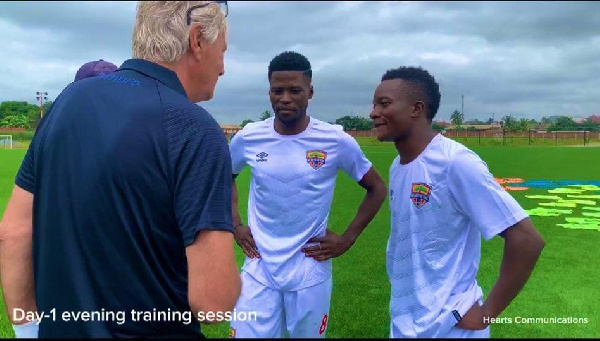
(420, 193)
(262, 157)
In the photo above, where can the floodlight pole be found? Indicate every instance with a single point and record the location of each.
(41, 96)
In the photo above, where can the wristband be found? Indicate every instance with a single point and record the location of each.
(28, 330)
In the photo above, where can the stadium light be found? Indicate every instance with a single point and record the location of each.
(42, 96)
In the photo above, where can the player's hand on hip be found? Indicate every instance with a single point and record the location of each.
(243, 237)
(475, 318)
(330, 246)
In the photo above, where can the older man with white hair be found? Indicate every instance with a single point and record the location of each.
(120, 221)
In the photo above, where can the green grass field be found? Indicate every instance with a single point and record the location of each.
(507, 142)
(564, 284)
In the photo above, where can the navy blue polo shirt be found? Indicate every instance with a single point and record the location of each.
(125, 172)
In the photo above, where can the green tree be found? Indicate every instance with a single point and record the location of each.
(346, 122)
(47, 106)
(524, 124)
(34, 116)
(17, 108)
(9, 108)
(15, 121)
(589, 125)
(457, 118)
(563, 123)
(364, 123)
(266, 115)
(509, 123)
(244, 122)
(355, 123)
(475, 122)
(437, 127)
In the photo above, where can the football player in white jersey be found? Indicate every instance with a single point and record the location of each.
(443, 200)
(294, 159)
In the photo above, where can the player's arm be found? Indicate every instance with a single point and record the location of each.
(334, 245)
(495, 212)
(522, 248)
(241, 232)
(374, 198)
(235, 212)
(354, 163)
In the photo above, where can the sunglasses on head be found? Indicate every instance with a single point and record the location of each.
(222, 4)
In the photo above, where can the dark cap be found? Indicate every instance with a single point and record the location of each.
(95, 68)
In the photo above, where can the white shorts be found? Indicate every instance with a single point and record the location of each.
(302, 314)
(459, 333)
(456, 333)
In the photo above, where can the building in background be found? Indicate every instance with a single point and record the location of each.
(230, 129)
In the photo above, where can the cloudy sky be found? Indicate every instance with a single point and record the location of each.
(526, 59)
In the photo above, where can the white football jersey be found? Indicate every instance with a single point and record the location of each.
(292, 185)
(441, 204)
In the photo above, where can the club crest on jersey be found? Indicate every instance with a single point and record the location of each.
(231, 333)
(316, 158)
(419, 194)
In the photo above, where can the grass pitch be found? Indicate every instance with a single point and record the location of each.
(564, 283)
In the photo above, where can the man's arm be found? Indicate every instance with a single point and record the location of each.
(494, 212)
(202, 206)
(242, 233)
(522, 248)
(213, 281)
(16, 263)
(333, 245)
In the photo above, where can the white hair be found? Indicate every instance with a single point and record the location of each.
(161, 32)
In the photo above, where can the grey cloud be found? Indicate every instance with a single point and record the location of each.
(529, 59)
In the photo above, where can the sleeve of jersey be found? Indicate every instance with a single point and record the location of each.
(236, 149)
(352, 159)
(476, 194)
(201, 167)
(26, 176)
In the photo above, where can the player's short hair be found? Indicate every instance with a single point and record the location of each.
(420, 78)
(290, 61)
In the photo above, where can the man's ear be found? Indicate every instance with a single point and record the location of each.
(418, 109)
(311, 92)
(196, 42)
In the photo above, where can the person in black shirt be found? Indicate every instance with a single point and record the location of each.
(122, 203)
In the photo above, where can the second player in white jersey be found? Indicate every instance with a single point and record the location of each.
(294, 159)
(291, 189)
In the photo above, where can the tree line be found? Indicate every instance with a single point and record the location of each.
(513, 124)
(15, 114)
(348, 122)
(508, 123)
